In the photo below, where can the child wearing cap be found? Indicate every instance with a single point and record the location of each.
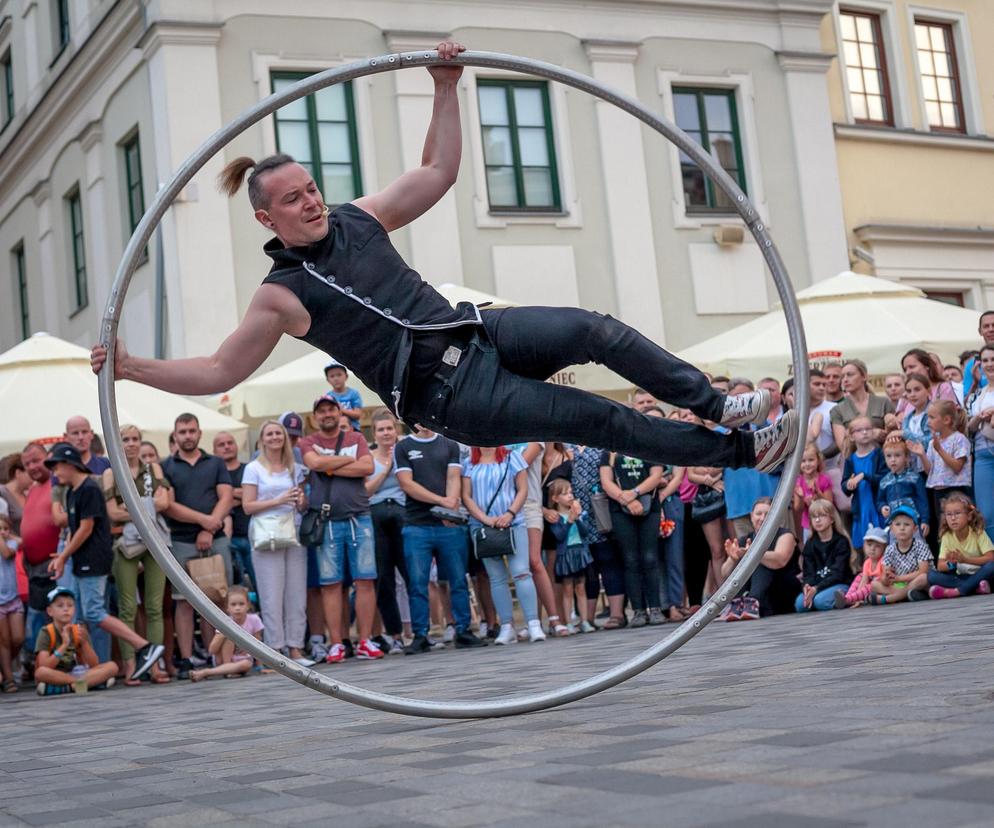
(966, 554)
(349, 399)
(874, 544)
(65, 661)
(907, 560)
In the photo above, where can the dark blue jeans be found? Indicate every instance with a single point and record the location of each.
(966, 584)
(450, 545)
(498, 394)
(671, 556)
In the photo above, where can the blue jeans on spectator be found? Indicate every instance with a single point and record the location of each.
(524, 587)
(450, 545)
(348, 552)
(671, 557)
(966, 584)
(92, 591)
(983, 487)
(241, 558)
(824, 600)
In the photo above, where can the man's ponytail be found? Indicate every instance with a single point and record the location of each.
(229, 180)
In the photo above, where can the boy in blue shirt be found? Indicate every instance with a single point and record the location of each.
(348, 398)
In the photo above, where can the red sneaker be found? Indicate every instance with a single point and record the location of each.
(336, 654)
(984, 588)
(368, 650)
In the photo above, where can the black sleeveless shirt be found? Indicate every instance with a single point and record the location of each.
(366, 304)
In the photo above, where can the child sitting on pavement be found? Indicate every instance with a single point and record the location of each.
(966, 554)
(907, 560)
(825, 560)
(229, 660)
(65, 661)
(874, 543)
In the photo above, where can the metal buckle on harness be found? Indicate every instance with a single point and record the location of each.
(452, 356)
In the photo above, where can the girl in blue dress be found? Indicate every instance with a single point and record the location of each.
(861, 475)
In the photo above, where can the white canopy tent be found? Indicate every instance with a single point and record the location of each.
(295, 385)
(45, 380)
(864, 317)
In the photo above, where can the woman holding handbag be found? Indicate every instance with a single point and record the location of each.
(132, 558)
(631, 484)
(273, 496)
(494, 489)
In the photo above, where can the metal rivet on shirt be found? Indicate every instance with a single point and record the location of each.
(348, 291)
(331, 280)
(387, 311)
(367, 301)
(405, 321)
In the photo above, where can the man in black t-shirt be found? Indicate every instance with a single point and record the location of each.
(226, 448)
(429, 472)
(89, 546)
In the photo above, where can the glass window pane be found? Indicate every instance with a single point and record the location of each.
(694, 190)
(533, 147)
(868, 54)
(528, 108)
(330, 104)
(334, 144)
(864, 29)
(929, 88)
(696, 136)
(497, 146)
(925, 62)
(685, 108)
(941, 62)
(338, 187)
(723, 149)
(855, 77)
(501, 187)
(933, 113)
(848, 26)
(945, 89)
(858, 106)
(493, 105)
(921, 37)
(871, 82)
(937, 35)
(296, 110)
(852, 53)
(875, 107)
(718, 113)
(538, 188)
(950, 117)
(295, 140)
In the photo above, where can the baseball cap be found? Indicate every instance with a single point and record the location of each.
(903, 509)
(329, 400)
(335, 364)
(56, 592)
(876, 533)
(293, 424)
(65, 453)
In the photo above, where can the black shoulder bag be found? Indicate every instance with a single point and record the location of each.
(488, 541)
(316, 518)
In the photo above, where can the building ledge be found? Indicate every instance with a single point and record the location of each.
(925, 234)
(891, 135)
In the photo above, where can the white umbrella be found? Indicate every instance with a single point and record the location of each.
(864, 317)
(45, 380)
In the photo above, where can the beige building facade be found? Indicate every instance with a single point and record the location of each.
(561, 199)
(912, 99)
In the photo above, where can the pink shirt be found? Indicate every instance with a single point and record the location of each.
(252, 625)
(873, 570)
(823, 484)
(942, 391)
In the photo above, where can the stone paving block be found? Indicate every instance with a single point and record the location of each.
(262, 776)
(633, 782)
(64, 815)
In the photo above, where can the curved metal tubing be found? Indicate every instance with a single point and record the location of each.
(371, 698)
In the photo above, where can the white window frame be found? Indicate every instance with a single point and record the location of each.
(570, 215)
(892, 50)
(263, 65)
(742, 85)
(966, 66)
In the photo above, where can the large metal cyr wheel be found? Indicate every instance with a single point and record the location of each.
(371, 698)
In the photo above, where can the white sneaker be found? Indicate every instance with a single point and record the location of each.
(535, 631)
(304, 662)
(484, 627)
(435, 644)
(751, 407)
(507, 635)
(449, 635)
(774, 443)
(396, 647)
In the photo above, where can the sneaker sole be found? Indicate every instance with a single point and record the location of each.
(759, 418)
(774, 460)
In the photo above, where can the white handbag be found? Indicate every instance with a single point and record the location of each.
(271, 531)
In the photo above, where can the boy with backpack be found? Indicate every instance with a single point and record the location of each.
(64, 658)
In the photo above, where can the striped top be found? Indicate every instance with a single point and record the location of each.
(485, 478)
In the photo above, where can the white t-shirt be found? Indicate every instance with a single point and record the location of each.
(269, 486)
(825, 437)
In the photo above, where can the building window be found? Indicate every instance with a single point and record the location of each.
(950, 297)
(6, 90)
(519, 151)
(866, 68)
(61, 18)
(20, 273)
(134, 193)
(709, 116)
(939, 76)
(75, 208)
(320, 132)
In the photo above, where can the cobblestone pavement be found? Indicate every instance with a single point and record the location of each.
(874, 716)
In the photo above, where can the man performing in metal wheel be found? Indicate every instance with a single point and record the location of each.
(475, 376)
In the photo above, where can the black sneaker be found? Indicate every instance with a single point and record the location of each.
(349, 648)
(145, 659)
(419, 645)
(493, 631)
(466, 639)
(183, 667)
(381, 642)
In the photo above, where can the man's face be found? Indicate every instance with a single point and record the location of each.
(295, 212)
(328, 417)
(952, 374)
(187, 436)
(774, 389)
(345, 423)
(643, 402)
(817, 386)
(720, 385)
(66, 472)
(79, 434)
(225, 446)
(987, 327)
(336, 378)
(833, 380)
(34, 464)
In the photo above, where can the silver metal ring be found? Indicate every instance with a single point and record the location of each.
(371, 698)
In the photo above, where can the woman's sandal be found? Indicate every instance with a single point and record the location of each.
(159, 678)
(10, 686)
(614, 623)
(561, 631)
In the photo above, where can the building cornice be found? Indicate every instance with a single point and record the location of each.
(91, 135)
(611, 51)
(41, 192)
(178, 32)
(816, 62)
(890, 135)
(404, 40)
(925, 234)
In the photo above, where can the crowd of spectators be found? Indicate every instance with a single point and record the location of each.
(329, 547)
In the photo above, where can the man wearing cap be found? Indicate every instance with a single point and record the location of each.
(348, 398)
(203, 499)
(294, 425)
(237, 522)
(89, 546)
(339, 462)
